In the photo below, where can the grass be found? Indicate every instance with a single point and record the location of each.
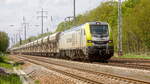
(37, 82)
(135, 56)
(5, 65)
(4, 62)
(17, 65)
(10, 79)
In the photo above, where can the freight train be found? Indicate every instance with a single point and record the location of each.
(90, 41)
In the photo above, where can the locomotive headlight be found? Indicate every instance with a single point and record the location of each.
(89, 41)
(110, 41)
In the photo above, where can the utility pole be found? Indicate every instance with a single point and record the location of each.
(42, 16)
(51, 19)
(47, 29)
(74, 10)
(120, 52)
(19, 33)
(25, 28)
(12, 41)
(14, 38)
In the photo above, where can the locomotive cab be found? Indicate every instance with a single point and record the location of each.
(99, 41)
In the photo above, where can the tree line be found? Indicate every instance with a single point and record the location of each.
(136, 23)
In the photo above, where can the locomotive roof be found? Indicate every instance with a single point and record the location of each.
(78, 27)
(104, 23)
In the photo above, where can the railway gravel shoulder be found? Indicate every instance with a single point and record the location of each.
(105, 69)
(44, 75)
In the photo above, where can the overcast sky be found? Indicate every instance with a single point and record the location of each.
(12, 12)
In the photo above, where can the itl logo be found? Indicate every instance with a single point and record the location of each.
(103, 39)
(97, 39)
(69, 40)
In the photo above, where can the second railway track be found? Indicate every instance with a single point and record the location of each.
(128, 65)
(143, 64)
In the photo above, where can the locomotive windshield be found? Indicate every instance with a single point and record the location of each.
(101, 30)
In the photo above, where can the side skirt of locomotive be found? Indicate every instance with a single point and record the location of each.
(87, 54)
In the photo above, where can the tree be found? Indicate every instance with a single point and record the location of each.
(4, 42)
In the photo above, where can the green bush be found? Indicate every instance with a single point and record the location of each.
(10, 79)
(4, 61)
(4, 42)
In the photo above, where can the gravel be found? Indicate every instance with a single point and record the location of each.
(118, 71)
(46, 76)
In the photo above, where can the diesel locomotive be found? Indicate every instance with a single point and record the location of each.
(89, 41)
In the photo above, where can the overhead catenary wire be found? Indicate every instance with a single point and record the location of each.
(42, 16)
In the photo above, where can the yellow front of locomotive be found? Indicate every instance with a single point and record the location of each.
(99, 43)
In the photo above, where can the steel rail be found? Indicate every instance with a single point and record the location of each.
(93, 72)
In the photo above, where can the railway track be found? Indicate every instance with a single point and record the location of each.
(127, 65)
(143, 64)
(131, 59)
(85, 79)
